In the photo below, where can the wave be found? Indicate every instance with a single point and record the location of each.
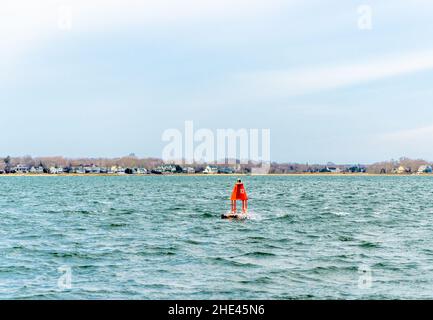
(195, 242)
(118, 224)
(333, 268)
(341, 213)
(367, 244)
(345, 238)
(287, 217)
(255, 281)
(208, 215)
(256, 238)
(231, 262)
(258, 254)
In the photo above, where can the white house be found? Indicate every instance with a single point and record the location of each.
(141, 170)
(36, 169)
(401, 170)
(211, 170)
(333, 169)
(21, 169)
(188, 170)
(425, 169)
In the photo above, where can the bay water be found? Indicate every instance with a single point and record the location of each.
(161, 237)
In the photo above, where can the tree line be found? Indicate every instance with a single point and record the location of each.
(131, 161)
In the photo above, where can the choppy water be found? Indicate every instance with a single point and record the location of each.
(162, 238)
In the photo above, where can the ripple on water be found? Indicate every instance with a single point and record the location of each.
(368, 245)
(230, 262)
(258, 254)
(122, 240)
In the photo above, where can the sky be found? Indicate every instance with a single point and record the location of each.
(107, 78)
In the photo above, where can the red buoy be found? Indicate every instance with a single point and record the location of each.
(239, 193)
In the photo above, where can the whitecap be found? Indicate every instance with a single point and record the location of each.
(341, 213)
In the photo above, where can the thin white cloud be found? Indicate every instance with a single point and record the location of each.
(315, 79)
(418, 136)
(415, 143)
(27, 24)
(31, 18)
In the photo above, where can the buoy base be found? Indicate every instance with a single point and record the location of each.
(234, 215)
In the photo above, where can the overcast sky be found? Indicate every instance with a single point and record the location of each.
(106, 78)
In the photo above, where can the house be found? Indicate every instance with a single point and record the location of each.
(95, 169)
(169, 168)
(356, 169)
(37, 170)
(79, 170)
(211, 170)
(52, 170)
(401, 170)
(67, 169)
(21, 169)
(91, 169)
(226, 170)
(188, 170)
(425, 169)
(129, 171)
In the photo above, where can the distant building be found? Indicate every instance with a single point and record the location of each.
(211, 170)
(78, 170)
(35, 170)
(21, 169)
(425, 169)
(169, 168)
(330, 170)
(226, 170)
(103, 170)
(96, 169)
(402, 170)
(188, 170)
(356, 169)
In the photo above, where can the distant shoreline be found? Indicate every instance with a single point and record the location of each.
(321, 174)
